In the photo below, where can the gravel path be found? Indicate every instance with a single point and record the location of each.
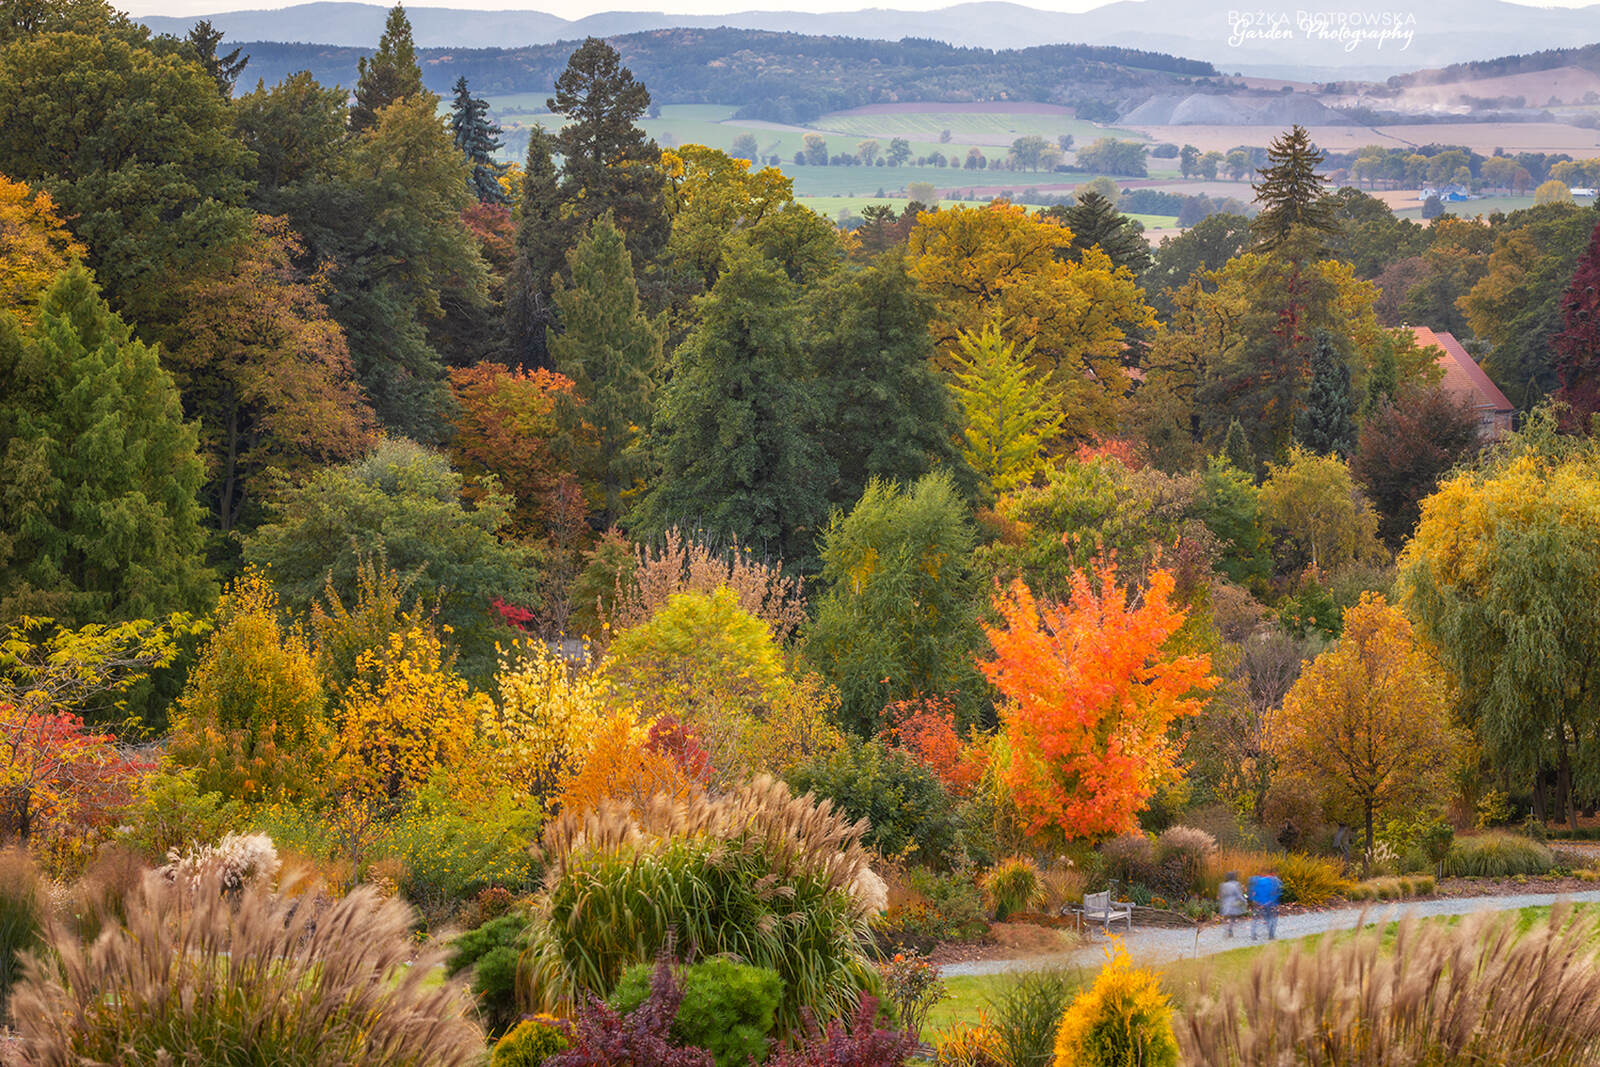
(1160, 945)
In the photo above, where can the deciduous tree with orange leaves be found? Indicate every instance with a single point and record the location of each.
(1091, 688)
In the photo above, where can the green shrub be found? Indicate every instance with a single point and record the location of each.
(1497, 855)
(532, 1042)
(23, 910)
(909, 809)
(757, 872)
(1435, 841)
(1026, 1015)
(1012, 885)
(452, 849)
(244, 979)
(492, 951)
(728, 1008)
(1310, 880)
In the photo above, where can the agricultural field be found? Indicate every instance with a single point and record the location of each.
(986, 125)
(1482, 137)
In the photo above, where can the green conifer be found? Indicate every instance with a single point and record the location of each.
(478, 139)
(391, 73)
(541, 246)
(1236, 449)
(1292, 194)
(1326, 424)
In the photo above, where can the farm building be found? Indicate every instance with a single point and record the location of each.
(1465, 380)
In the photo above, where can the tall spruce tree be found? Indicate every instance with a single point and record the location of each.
(607, 162)
(541, 246)
(731, 433)
(884, 411)
(478, 139)
(1094, 220)
(1326, 424)
(611, 350)
(390, 75)
(1236, 449)
(224, 69)
(98, 471)
(1291, 195)
(1577, 346)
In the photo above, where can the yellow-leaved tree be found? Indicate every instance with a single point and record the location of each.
(35, 246)
(1007, 418)
(548, 718)
(1368, 723)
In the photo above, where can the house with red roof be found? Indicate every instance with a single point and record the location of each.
(1465, 380)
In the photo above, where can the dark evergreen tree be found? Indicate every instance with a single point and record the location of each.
(1236, 449)
(1326, 424)
(1291, 195)
(607, 163)
(390, 75)
(99, 474)
(731, 436)
(478, 139)
(1094, 220)
(225, 69)
(611, 350)
(1405, 449)
(1577, 346)
(1383, 381)
(541, 247)
(885, 412)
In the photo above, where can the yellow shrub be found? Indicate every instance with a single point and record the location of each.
(1123, 1020)
(546, 720)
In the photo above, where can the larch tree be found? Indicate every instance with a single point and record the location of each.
(1090, 692)
(1368, 723)
(390, 75)
(99, 474)
(611, 350)
(1007, 419)
(478, 139)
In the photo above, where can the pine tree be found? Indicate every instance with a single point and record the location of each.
(98, 471)
(885, 412)
(1291, 193)
(1326, 425)
(1577, 346)
(612, 352)
(391, 74)
(1094, 220)
(1007, 421)
(225, 69)
(1236, 449)
(1383, 383)
(607, 163)
(541, 247)
(733, 432)
(478, 139)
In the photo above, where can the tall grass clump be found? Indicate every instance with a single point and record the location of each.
(757, 873)
(1184, 849)
(1477, 992)
(244, 978)
(1025, 1016)
(1012, 885)
(24, 908)
(1497, 855)
(1310, 880)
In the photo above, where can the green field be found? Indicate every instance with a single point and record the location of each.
(989, 128)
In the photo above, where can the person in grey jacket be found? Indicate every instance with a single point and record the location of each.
(1230, 900)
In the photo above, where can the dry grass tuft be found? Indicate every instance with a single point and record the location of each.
(1479, 992)
(193, 975)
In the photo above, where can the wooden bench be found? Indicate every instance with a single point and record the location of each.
(1100, 908)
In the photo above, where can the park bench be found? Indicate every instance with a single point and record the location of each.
(1100, 908)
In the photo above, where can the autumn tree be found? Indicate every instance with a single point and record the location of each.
(390, 75)
(1318, 515)
(546, 718)
(1368, 723)
(99, 473)
(1089, 696)
(1205, 246)
(1577, 346)
(1502, 576)
(732, 430)
(998, 264)
(264, 368)
(610, 348)
(1007, 421)
(35, 246)
(1405, 449)
(898, 621)
(885, 412)
(252, 719)
(710, 195)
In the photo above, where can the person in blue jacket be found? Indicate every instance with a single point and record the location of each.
(1265, 891)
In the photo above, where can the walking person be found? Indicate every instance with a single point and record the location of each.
(1265, 891)
(1230, 900)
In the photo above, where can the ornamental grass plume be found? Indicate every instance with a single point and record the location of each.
(242, 979)
(1478, 992)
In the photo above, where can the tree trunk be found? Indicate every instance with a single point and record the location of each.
(1564, 784)
(1366, 857)
(1541, 809)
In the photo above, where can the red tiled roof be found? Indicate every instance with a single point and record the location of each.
(1462, 376)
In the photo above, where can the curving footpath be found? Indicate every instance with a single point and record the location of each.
(1164, 945)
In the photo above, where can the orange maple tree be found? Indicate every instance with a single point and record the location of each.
(1090, 692)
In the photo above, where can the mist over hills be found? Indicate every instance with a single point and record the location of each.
(1359, 39)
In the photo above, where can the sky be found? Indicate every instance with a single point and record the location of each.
(573, 9)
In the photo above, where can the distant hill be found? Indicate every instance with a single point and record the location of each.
(786, 77)
(1344, 45)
